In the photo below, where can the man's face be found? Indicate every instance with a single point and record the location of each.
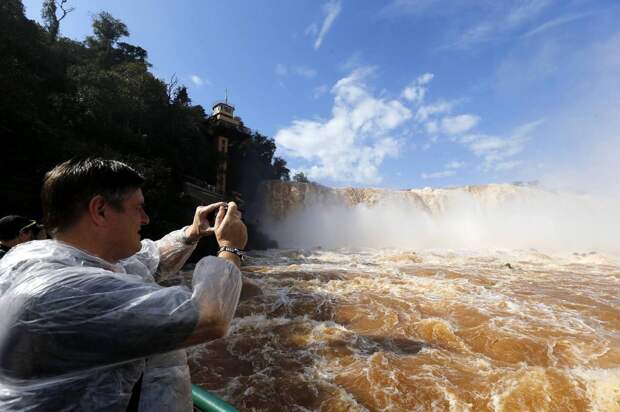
(125, 225)
(25, 236)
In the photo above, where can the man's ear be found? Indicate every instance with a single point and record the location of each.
(97, 210)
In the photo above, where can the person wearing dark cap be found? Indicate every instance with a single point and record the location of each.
(14, 230)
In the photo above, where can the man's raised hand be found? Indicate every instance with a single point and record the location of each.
(200, 226)
(229, 229)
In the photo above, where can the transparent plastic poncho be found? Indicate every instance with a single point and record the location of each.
(76, 332)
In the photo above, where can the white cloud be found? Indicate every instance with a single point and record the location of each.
(418, 7)
(306, 72)
(458, 124)
(331, 9)
(454, 165)
(525, 11)
(499, 18)
(351, 145)
(438, 175)
(413, 93)
(511, 164)
(365, 128)
(558, 21)
(497, 151)
(431, 127)
(197, 80)
(312, 30)
(448, 170)
(425, 78)
(416, 91)
(424, 112)
(492, 19)
(320, 91)
(474, 35)
(353, 62)
(281, 69)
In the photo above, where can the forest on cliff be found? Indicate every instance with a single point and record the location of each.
(61, 98)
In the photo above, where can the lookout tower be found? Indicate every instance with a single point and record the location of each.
(228, 126)
(224, 111)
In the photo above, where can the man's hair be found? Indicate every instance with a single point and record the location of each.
(69, 187)
(12, 225)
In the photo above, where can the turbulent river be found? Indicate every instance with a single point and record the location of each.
(480, 298)
(434, 329)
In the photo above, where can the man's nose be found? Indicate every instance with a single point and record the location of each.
(145, 219)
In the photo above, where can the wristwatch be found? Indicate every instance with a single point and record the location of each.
(234, 250)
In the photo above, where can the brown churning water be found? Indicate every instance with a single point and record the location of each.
(396, 330)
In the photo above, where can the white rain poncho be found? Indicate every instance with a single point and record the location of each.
(76, 332)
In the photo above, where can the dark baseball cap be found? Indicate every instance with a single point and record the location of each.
(11, 225)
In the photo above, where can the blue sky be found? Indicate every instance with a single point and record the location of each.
(399, 93)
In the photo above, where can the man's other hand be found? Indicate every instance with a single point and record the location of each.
(229, 229)
(200, 226)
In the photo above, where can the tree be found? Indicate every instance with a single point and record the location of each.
(280, 171)
(301, 178)
(128, 53)
(49, 13)
(107, 30)
(97, 97)
(181, 97)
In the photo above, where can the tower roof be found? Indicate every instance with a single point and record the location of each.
(223, 103)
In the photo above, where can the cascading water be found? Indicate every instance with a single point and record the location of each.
(485, 298)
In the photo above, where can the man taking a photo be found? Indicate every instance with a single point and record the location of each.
(84, 326)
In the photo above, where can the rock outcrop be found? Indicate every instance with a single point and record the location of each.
(278, 199)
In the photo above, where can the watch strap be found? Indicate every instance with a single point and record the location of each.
(240, 253)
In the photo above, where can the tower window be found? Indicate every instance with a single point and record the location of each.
(222, 145)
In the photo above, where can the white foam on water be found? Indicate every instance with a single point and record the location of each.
(404, 287)
(603, 387)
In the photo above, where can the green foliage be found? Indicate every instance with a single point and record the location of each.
(127, 53)
(254, 161)
(49, 13)
(281, 172)
(301, 178)
(63, 98)
(107, 31)
(181, 97)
